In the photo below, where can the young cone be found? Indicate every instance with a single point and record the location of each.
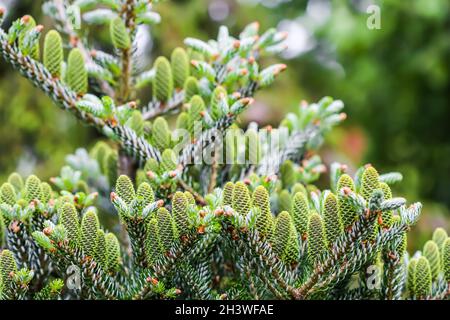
(241, 199)
(89, 227)
(162, 83)
(180, 67)
(316, 238)
(53, 53)
(422, 278)
(76, 74)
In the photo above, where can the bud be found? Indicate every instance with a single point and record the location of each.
(151, 175)
(113, 196)
(47, 231)
(346, 190)
(201, 230)
(132, 104)
(236, 95)
(74, 41)
(172, 174)
(25, 19)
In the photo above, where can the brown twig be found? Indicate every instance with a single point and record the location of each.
(129, 20)
(213, 177)
(125, 79)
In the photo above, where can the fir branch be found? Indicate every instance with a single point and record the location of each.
(192, 152)
(268, 261)
(394, 277)
(156, 108)
(135, 146)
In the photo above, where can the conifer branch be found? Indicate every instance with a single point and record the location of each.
(67, 99)
(156, 108)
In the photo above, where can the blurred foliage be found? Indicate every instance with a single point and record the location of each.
(36, 136)
(394, 82)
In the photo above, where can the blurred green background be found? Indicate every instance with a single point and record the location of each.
(394, 82)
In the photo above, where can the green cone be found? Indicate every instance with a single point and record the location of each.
(227, 195)
(369, 182)
(346, 210)
(332, 219)
(262, 202)
(316, 238)
(431, 252)
(33, 188)
(89, 227)
(7, 268)
(119, 34)
(145, 192)
(288, 175)
(16, 181)
(76, 74)
(153, 247)
(7, 194)
(190, 88)
(125, 189)
(410, 278)
(53, 53)
(100, 250)
(162, 82)
(179, 212)
(446, 259)
(197, 106)
(168, 161)
(161, 134)
(300, 213)
(284, 201)
(387, 216)
(180, 67)
(241, 201)
(46, 192)
(422, 278)
(112, 252)
(165, 229)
